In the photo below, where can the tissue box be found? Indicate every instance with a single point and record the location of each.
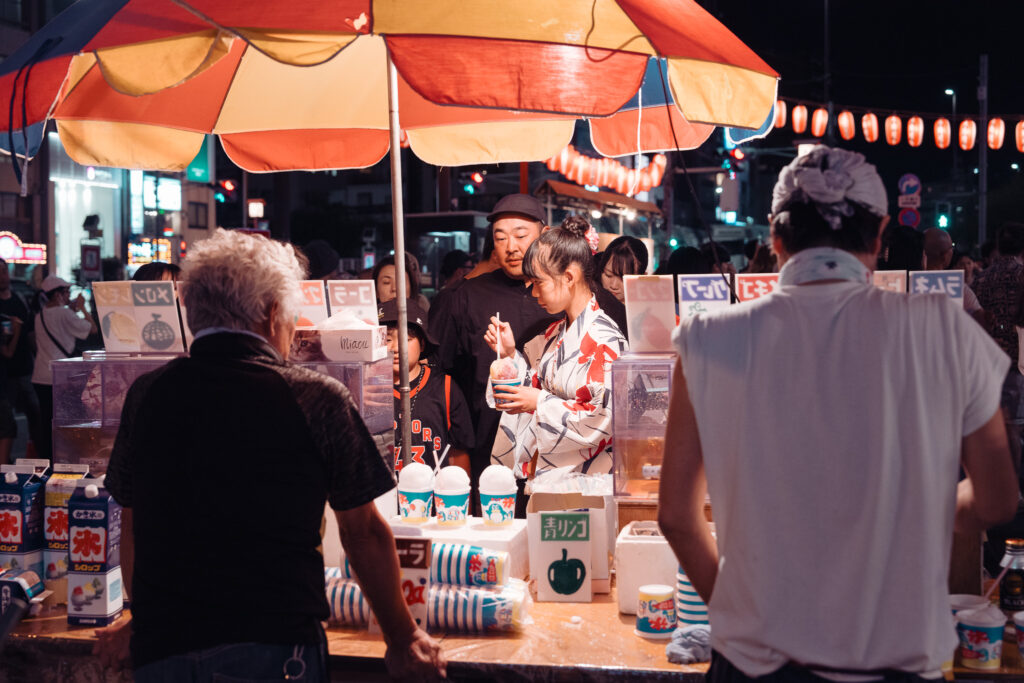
(364, 345)
(642, 557)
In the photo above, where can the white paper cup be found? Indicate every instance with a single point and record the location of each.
(981, 640)
(966, 601)
(498, 508)
(414, 504)
(451, 507)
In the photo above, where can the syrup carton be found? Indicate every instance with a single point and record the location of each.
(21, 519)
(58, 490)
(414, 555)
(40, 466)
(95, 591)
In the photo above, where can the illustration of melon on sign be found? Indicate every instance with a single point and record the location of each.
(158, 334)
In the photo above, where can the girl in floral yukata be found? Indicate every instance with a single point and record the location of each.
(563, 414)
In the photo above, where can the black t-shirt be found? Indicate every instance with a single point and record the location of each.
(459, 330)
(439, 417)
(226, 459)
(21, 363)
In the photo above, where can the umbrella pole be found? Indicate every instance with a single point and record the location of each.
(398, 223)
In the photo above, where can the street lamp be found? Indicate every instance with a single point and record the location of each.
(955, 132)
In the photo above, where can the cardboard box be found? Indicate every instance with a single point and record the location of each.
(21, 519)
(59, 488)
(414, 563)
(543, 552)
(642, 557)
(95, 590)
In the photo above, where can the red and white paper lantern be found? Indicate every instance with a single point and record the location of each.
(968, 133)
(869, 126)
(893, 129)
(846, 125)
(799, 118)
(915, 131)
(819, 122)
(943, 132)
(996, 133)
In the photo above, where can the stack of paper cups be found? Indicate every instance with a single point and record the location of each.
(457, 608)
(468, 565)
(690, 609)
(345, 598)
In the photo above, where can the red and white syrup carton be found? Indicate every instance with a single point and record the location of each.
(59, 488)
(414, 554)
(21, 519)
(95, 589)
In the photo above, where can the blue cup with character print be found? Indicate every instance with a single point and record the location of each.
(451, 507)
(498, 509)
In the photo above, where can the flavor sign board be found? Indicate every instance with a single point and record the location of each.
(314, 303)
(139, 316)
(703, 294)
(890, 280)
(356, 296)
(563, 557)
(650, 312)
(949, 282)
(750, 286)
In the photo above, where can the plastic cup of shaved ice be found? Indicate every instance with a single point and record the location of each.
(498, 495)
(415, 492)
(981, 637)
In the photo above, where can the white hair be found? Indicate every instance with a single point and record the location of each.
(232, 279)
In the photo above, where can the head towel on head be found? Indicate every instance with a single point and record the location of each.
(830, 179)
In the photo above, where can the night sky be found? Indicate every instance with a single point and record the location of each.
(899, 57)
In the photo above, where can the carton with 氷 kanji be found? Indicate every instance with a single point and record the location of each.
(58, 490)
(414, 553)
(21, 518)
(95, 589)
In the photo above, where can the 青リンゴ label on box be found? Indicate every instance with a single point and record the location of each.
(565, 557)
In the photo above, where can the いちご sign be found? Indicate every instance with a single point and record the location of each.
(650, 311)
(13, 250)
(948, 282)
(890, 280)
(750, 286)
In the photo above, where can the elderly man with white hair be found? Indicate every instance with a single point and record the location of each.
(828, 421)
(223, 462)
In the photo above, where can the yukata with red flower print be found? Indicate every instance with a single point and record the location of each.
(571, 365)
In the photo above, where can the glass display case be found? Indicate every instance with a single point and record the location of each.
(89, 392)
(640, 389)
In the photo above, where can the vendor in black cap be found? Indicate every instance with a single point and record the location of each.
(440, 419)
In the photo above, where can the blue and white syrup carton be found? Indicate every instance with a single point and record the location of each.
(95, 587)
(58, 490)
(21, 519)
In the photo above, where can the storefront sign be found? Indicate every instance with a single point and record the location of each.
(314, 303)
(91, 269)
(13, 250)
(138, 316)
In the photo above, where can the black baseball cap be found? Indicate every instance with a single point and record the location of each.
(387, 314)
(520, 204)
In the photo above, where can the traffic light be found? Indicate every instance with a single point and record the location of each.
(225, 191)
(472, 181)
(943, 215)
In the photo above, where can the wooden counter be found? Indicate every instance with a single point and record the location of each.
(601, 647)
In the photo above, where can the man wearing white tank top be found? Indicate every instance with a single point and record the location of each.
(829, 421)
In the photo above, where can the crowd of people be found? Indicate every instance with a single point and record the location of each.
(893, 419)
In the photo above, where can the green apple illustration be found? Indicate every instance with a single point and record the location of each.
(565, 575)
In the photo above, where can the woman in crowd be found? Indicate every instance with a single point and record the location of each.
(157, 271)
(624, 256)
(60, 322)
(563, 413)
(387, 282)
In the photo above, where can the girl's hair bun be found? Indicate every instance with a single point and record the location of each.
(577, 225)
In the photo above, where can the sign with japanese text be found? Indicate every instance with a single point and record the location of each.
(414, 554)
(564, 559)
(356, 296)
(650, 312)
(703, 293)
(890, 280)
(948, 282)
(314, 303)
(750, 286)
(139, 316)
